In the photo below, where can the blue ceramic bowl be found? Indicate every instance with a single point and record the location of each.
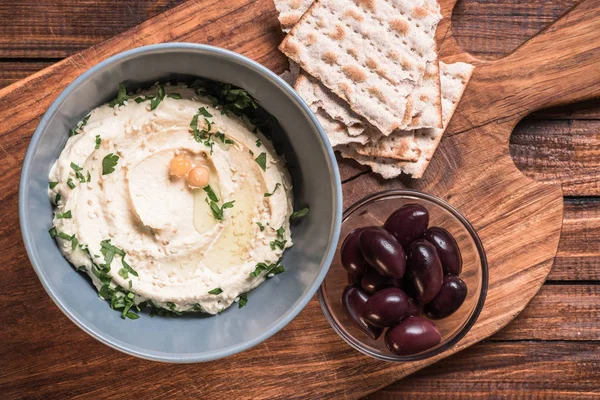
(273, 304)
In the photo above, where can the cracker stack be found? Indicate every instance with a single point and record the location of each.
(369, 71)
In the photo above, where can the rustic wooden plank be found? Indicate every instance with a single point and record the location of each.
(566, 152)
(559, 370)
(584, 110)
(489, 29)
(578, 256)
(12, 71)
(55, 28)
(558, 312)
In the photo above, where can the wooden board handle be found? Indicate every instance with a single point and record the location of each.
(558, 66)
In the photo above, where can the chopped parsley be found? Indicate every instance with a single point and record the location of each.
(52, 185)
(211, 194)
(274, 190)
(258, 143)
(57, 198)
(72, 132)
(75, 167)
(121, 97)
(201, 135)
(126, 269)
(216, 291)
(297, 215)
(109, 163)
(175, 96)
(261, 226)
(277, 244)
(154, 102)
(53, 232)
(218, 211)
(64, 215)
(70, 183)
(281, 232)
(243, 300)
(198, 307)
(98, 141)
(78, 173)
(140, 99)
(221, 136)
(262, 161)
(251, 152)
(204, 112)
(171, 305)
(270, 269)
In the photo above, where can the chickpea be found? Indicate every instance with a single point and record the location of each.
(180, 165)
(198, 176)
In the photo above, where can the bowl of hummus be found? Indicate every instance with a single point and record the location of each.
(180, 203)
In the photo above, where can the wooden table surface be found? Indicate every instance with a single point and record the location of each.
(551, 349)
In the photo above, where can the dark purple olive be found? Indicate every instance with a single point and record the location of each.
(373, 281)
(386, 307)
(449, 299)
(383, 252)
(352, 258)
(411, 336)
(354, 280)
(413, 308)
(408, 223)
(447, 249)
(353, 300)
(424, 271)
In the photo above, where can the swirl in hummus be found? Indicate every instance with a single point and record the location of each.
(167, 199)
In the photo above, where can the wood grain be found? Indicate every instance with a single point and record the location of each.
(324, 367)
(565, 152)
(519, 370)
(578, 257)
(56, 28)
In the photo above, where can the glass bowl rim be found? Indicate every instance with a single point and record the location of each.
(356, 344)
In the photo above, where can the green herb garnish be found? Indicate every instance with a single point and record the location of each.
(175, 96)
(57, 198)
(262, 161)
(53, 232)
(75, 167)
(274, 190)
(261, 226)
(52, 185)
(243, 300)
(121, 97)
(70, 183)
(211, 194)
(126, 270)
(216, 291)
(218, 211)
(204, 112)
(98, 141)
(109, 163)
(270, 269)
(198, 307)
(297, 215)
(281, 232)
(158, 99)
(64, 215)
(277, 244)
(258, 143)
(223, 139)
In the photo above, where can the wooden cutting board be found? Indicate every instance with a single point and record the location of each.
(519, 220)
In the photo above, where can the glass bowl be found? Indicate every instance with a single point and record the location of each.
(374, 210)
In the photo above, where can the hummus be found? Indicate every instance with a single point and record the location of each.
(144, 234)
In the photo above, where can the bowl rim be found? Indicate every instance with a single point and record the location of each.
(357, 345)
(97, 332)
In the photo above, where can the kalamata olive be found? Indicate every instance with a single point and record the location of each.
(354, 280)
(352, 258)
(447, 249)
(383, 252)
(373, 281)
(386, 307)
(408, 223)
(353, 300)
(424, 271)
(449, 299)
(413, 308)
(412, 335)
